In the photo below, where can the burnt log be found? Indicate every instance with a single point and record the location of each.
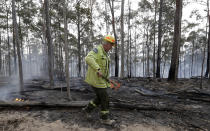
(27, 104)
(80, 104)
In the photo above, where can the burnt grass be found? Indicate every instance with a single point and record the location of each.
(182, 105)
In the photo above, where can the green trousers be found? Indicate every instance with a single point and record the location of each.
(102, 100)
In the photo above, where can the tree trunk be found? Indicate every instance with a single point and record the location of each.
(208, 38)
(8, 42)
(143, 59)
(154, 50)
(0, 54)
(66, 49)
(91, 22)
(115, 35)
(49, 43)
(107, 25)
(128, 44)
(130, 75)
(127, 55)
(163, 68)
(204, 52)
(122, 39)
(44, 42)
(135, 53)
(78, 38)
(180, 67)
(20, 32)
(14, 52)
(183, 60)
(147, 48)
(159, 39)
(17, 41)
(192, 59)
(208, 44)
(207, 66)
(176, 45)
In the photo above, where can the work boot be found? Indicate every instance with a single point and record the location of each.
(86, 112)
(107, 121)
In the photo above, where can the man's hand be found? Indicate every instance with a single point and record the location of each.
(99, 73)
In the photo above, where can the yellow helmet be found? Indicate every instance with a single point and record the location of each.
(110, 39)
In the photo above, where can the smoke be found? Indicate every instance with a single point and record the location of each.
(8, 88)
(32, 64)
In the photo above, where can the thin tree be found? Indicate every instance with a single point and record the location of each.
(208, 37)
(0, 54)
(17, 41)
(176, 45)
(66, 49)
(192, 59)
(135, 59)
(106, 18)
(128, 42)
(111, 5)
(78, 37)
(8, 42)
(148, 50)
(130, 46)
(159, 39)
(208, 43)
(49, 43)
(122, 39)
(204, 50)
(44, 42)
(154, 50)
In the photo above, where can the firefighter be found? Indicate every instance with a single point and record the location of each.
(98, 66)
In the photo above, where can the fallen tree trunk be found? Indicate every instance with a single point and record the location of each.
(80, 104)
(196, 96)
(76, 104)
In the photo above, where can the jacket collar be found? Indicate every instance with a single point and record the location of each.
(102, 48)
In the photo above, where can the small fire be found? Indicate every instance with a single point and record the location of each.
(19, 99)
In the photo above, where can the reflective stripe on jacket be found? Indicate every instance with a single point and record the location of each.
(97, 59)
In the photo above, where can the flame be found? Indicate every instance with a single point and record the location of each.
(19, 99)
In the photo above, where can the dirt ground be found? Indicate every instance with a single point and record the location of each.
(141, 104)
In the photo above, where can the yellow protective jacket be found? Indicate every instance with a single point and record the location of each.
(97, 59)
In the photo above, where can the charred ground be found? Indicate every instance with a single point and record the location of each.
(140, 103)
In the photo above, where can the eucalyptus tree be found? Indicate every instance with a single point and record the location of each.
(193, 39)
(166, 51)
(49, 43)
(27, 13)
(154, 37)
(91, 32)
(1, 27)
(148, 33)
(0, 53)
(8, 41)
(122, 38)
(4, 29)
(111, 5)
(148, 22)
(203, 40)
(5, 11)
(128, 61)
(159, 39)
(80, 16)
(66, 49)
(17, 41)
(57, 17)
(176, 45)
(208, 15)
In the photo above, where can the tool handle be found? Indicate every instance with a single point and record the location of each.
(105, 78)
(110, 81)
